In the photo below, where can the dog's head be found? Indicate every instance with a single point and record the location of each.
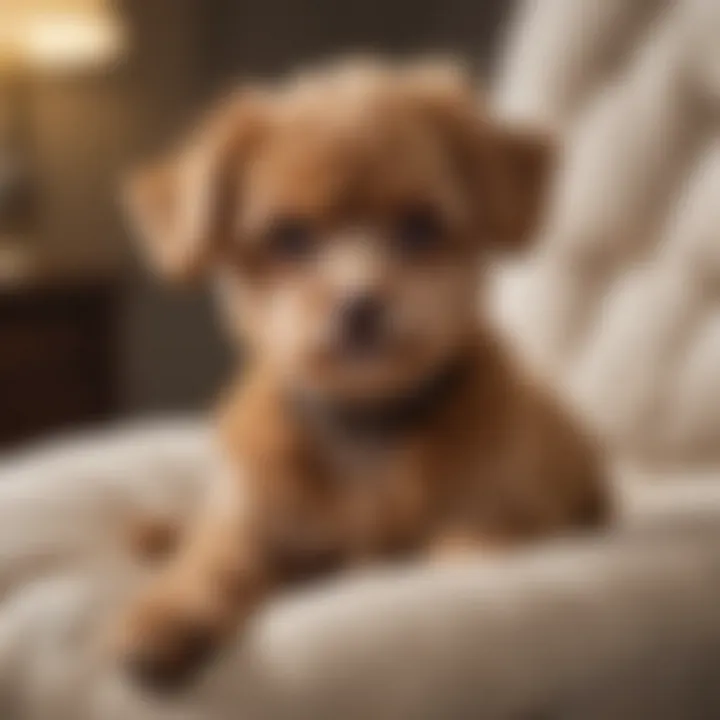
(346, 216)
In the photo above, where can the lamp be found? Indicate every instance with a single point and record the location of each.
(47, 38)
(59, 35)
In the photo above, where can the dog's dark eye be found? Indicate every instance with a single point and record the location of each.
(291, 239)
(419, 231)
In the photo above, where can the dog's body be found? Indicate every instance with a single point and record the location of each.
(481, 456)
(347, 218)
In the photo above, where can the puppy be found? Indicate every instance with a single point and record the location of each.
(348, 217)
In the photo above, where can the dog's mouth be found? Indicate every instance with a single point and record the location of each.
(358, 358)
(366, 351)
(364, 369)
(363, 350)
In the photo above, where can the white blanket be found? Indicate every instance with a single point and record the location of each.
(625, 626)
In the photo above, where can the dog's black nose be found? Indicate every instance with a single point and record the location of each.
(361, 322)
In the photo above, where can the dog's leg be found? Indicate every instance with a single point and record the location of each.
(215, 581)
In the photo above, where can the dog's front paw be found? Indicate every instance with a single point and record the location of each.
(162, 644)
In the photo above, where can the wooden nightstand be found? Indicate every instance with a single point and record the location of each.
(57, 356)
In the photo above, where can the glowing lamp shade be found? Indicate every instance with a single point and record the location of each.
(57, 35)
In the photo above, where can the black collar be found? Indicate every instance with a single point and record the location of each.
(385, 418)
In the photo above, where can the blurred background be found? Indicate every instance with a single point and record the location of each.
(86, 86)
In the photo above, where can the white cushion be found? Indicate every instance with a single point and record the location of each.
(612, 627)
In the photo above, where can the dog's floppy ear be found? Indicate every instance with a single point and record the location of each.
(513, 176)
(183, 208)
(507, 169)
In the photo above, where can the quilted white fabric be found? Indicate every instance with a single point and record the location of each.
(620, 302)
